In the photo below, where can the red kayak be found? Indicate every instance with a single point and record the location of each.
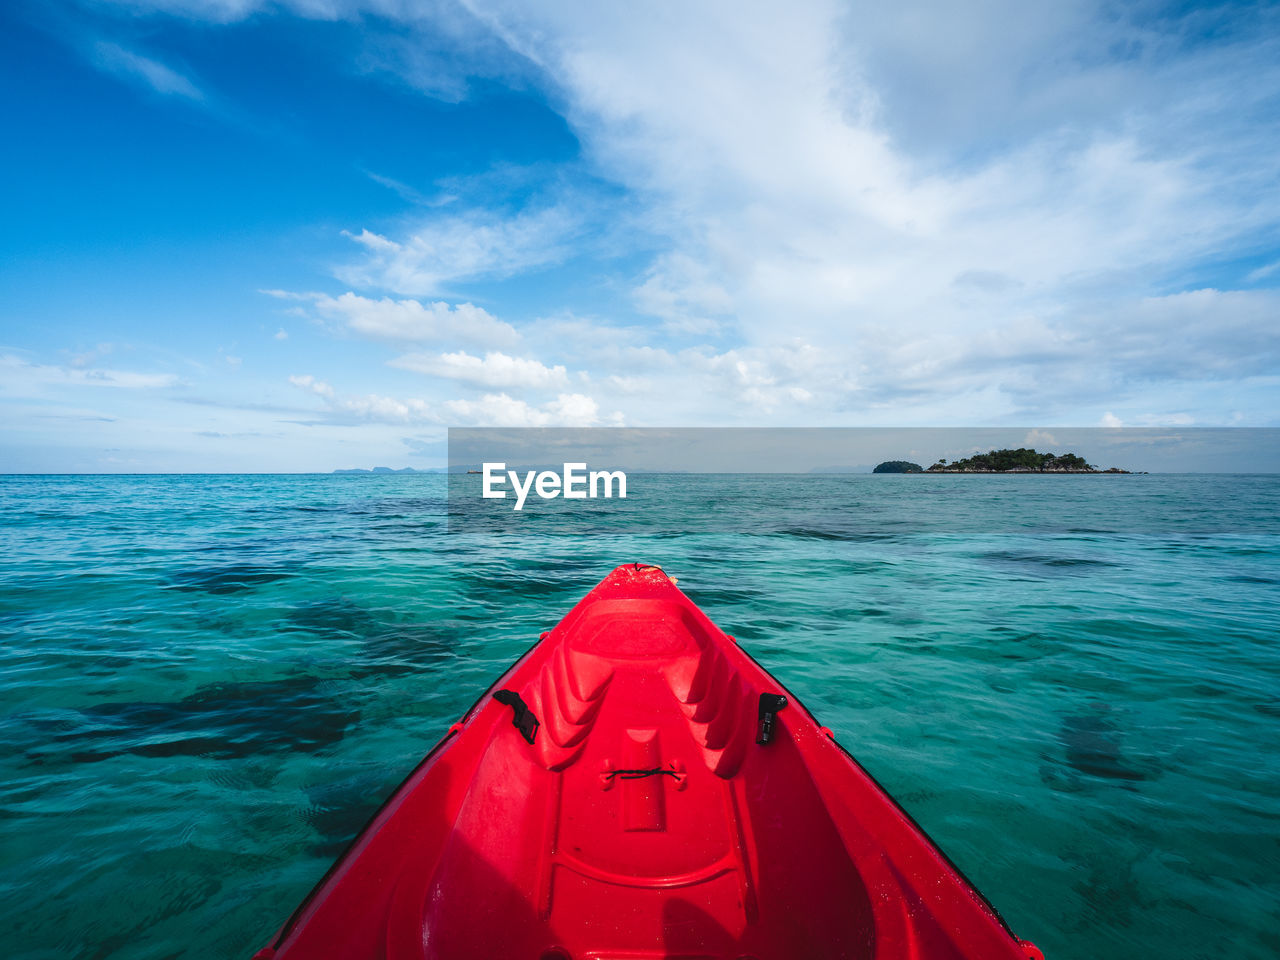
(635, 787)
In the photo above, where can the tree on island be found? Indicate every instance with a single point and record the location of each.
(1021, 460)
(898, 466)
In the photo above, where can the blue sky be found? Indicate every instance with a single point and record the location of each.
(314, 234)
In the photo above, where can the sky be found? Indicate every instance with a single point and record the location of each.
(314, 234)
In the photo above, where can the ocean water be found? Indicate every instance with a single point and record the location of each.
(207, 684)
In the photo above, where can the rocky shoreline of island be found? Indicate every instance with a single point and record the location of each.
(1021, 460)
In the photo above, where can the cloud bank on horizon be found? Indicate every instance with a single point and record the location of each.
(309, 234)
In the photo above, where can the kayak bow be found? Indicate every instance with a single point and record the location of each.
(636, 786)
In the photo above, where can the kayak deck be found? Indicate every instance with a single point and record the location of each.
(609, 799)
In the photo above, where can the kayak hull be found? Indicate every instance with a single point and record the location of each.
(636, 786)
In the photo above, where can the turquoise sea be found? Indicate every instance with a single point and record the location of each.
(208, 683)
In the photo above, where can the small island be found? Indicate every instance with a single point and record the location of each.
(382, 470)
(898, 466)
(1021, 460)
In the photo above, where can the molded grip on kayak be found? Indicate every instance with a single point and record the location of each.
(1031, 950)
(767, 717)
(523, 718)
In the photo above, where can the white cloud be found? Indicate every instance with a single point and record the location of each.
(1127, 356)
(492, 409)
(1165, 419)
(308, 382)
(370, 407)
(373, 241)
(577, 410)
(435, 47)
(388, 409)
(281, 334)
(1196, 335)
(222, 11)
(116, 59)
(474, 245)
(630, 385)
(803, 197)
(410, 321)
(1039, 438)
(680, 290)
(1261, 273)
(953, 213)
(86, 357)
(493, 370)
(22, 377)
(501, 410)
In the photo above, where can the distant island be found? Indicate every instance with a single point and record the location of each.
(1021, 460)
(382, 471)
(386, 470)
(898, 466)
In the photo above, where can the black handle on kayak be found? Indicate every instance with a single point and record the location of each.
(770, 704)
(523, 720)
